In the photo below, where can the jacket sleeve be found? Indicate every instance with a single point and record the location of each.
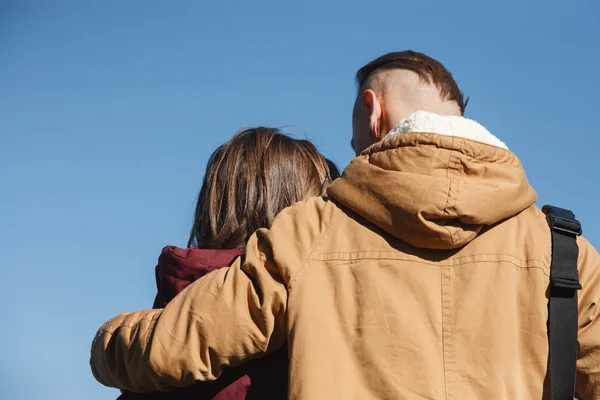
(226, 318)
(588, 363)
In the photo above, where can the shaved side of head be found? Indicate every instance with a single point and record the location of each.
(405, 90)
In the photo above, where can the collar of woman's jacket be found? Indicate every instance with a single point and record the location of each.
(435, 181)
(177, 268)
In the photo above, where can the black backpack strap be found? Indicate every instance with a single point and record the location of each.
(562, 313)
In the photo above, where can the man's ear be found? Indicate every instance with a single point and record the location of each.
(373, 107)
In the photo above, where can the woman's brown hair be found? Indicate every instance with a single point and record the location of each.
(249, 180)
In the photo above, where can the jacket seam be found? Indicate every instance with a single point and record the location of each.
(341, 253)
(448, 343)
(296, 276)
(450, 175)
(433, 264)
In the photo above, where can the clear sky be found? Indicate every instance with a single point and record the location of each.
(109, 110)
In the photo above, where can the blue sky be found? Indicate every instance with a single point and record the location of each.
(109, 110)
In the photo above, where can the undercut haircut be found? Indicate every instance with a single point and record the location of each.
(428, 69)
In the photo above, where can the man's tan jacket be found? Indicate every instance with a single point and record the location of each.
(422, 275)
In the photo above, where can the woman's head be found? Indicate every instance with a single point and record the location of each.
(249, 180)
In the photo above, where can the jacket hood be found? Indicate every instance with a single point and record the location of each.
(177, 268)
(435, 181)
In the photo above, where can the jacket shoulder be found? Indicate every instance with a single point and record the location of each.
(294, 235)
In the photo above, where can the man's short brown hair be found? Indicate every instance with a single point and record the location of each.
(428, 69)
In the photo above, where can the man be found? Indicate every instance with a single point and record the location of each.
(423, 274)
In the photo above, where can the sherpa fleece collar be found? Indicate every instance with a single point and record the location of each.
(422, 121)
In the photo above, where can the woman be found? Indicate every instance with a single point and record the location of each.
(248, 181)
